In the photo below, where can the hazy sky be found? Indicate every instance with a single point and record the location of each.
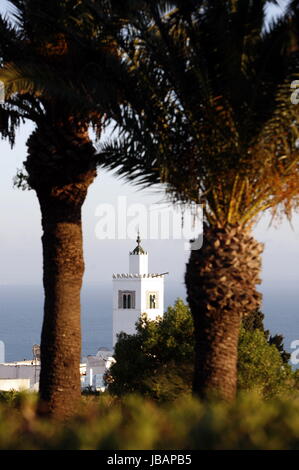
(20, 231)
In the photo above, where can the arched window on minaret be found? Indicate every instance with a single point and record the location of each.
(126, 299)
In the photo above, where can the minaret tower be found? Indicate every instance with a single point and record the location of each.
(136, 292)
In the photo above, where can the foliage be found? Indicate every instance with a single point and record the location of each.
(163, 354)
(135, 423)
(54, 57)
(15, 398)
(211, 116)
(255, 321)
(277, 341)
(260, 366)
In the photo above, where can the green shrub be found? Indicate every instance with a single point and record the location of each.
(163, 353)
(135, 423)
(261, 367)
(163, 357)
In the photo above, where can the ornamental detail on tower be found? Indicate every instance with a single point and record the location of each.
(138, 250)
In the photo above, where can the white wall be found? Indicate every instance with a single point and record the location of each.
(20, 371)
(152, 284)
(95, 370)
(14, 384)
(125, 319)
(138, 264)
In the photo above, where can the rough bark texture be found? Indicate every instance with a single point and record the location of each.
(221, 281)
(61, 189)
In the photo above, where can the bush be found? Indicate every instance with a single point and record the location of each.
(163, 353)
(261, 367)
(135, 423)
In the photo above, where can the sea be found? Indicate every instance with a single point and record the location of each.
(21, 313)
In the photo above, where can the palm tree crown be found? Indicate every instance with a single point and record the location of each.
(213, 118)
(49, 56)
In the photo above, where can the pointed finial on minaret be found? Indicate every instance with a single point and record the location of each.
(138, 250)
(138, 239)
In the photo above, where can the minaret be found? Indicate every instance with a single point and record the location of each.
(136, 292)
(138, 260)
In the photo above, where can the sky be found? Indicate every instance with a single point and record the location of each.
(20, 231)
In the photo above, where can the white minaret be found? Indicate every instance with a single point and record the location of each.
(136, 292)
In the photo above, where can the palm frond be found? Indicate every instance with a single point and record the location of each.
(212, 107)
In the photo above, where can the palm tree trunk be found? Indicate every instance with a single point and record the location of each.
(61, 167)
(63, 271)
(221, 281)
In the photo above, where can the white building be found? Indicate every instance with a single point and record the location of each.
(24, 375)
(96, 366)
(20, 375)
(135, 293)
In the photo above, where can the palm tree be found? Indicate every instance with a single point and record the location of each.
(47, 60)
(212, 118)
